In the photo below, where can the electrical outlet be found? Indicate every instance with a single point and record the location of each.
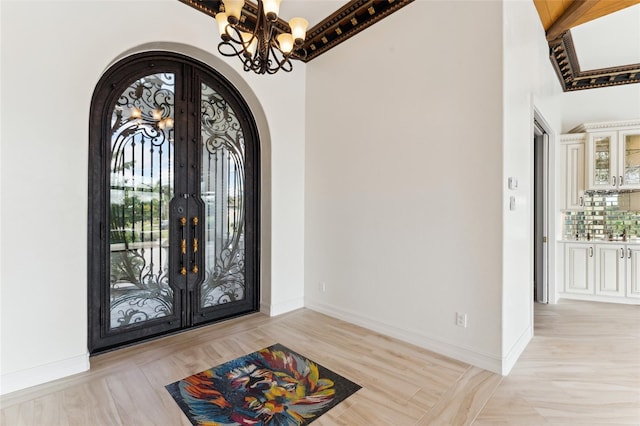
(461, 320)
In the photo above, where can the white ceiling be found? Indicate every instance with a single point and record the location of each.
(313, 11)
(610, 41)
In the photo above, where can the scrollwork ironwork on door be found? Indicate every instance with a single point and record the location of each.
(222, 189)
(141, 186)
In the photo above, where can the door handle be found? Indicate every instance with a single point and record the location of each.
(622, 253)
(614, 180)
(621, 181)
(183, 246)
(194, 244)
(590, 251)
(581, 202)
(628, 253)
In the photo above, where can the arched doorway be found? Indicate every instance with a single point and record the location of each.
(173, 200)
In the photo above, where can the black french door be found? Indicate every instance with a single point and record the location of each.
(173, 201)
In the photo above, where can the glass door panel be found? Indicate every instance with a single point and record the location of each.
(602, 161)
(141, 187)
(631, 160)
(222, 191)
(173, 201)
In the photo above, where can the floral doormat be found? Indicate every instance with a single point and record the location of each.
(273, 386)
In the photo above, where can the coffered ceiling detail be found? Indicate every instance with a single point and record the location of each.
(344, 23)
(558, 17)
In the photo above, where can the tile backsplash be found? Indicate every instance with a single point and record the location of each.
(604, 215)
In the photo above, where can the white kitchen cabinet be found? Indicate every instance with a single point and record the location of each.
(572, 179)
(629, 159)
(610, 269)
(613, 155)
(579, 268)
(633, 271)
(605, 271)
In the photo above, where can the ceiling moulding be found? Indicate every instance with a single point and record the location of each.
(565, 61)
(344, 23)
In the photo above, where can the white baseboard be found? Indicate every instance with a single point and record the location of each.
(23, 379)
(485, 361)
(516, 350)
(281, 308)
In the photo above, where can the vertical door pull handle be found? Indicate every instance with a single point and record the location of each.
(622, 253)
(621, 181)
(183, 246)
(581, 201)
(590, 251)
(614, 180)
(194, 245)
(628, 253)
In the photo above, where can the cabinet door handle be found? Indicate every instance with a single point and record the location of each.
(628, 253)
(621, 253)
(581, 201)
(590, 251)
(621, 181)
(614, 180)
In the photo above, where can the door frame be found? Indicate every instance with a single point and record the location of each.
(541, 129)
(98, 227)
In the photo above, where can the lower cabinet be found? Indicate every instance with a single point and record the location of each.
(579, 268)
(633, 272)
(611, 269)
(602, 271)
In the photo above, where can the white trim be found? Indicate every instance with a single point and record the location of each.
(22, 379)
(516, 350)
(572, 138)
(468, 355)
(284, 307)
(607, 125)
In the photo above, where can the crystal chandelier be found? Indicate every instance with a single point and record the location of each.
(266, 49)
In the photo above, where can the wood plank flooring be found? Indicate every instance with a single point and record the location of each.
(583, 367)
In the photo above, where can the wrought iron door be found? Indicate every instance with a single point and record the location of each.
(173, 222)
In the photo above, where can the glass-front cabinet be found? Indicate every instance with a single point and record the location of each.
(614, 160)
(602, 163)
(629, 164)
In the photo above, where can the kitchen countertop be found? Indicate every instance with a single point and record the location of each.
(634, 241)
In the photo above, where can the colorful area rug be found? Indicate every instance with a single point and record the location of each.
(273, 386)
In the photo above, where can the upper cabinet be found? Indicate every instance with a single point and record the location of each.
(629, 165)
(572, 185)
(613, 155)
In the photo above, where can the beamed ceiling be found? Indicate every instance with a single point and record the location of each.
(557, 17)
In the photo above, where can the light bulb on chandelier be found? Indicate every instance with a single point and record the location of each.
(266, 49)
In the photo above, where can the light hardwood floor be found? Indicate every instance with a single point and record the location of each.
(582, 367)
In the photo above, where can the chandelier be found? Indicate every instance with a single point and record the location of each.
(266, 49)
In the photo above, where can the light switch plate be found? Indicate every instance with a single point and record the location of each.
(512, 203)
(513, 183)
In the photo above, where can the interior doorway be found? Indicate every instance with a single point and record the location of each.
(541, 210)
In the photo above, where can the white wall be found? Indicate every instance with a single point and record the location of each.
(403, 208)
(529, 82)
(53, 54)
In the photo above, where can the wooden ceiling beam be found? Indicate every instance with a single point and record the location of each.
(569, 17)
